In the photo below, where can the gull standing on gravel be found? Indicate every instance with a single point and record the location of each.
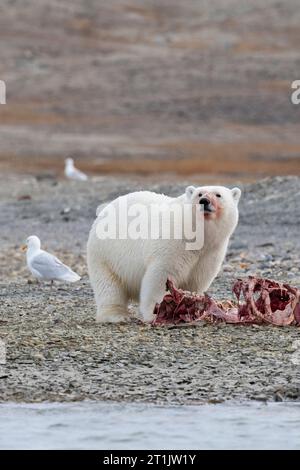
(72, 172)
(44, 266)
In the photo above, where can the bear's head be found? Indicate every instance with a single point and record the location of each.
(218, 204)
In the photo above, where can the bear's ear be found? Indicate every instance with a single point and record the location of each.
(236, 194)
(190, 191)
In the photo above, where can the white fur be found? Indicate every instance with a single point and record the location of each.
(125, 269)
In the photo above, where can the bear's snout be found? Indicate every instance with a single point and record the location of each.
(207, 204)
(205, 201)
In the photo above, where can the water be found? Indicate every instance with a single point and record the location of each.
(127, 426)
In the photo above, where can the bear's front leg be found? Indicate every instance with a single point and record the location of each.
(153, 289)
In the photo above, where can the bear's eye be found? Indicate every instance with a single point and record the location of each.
(218, 195)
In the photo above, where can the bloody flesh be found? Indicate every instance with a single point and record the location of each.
(257, 301)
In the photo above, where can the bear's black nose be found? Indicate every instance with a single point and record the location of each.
(205, 201)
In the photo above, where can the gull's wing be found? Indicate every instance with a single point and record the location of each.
(80, 175)
(75, 174)
(50, 267)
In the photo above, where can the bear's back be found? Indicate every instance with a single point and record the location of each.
(145, 197)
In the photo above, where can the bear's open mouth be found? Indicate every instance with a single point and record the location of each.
(208, 210)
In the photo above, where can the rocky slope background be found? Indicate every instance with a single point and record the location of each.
(150, 85)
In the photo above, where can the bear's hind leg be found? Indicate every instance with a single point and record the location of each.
(110, 296)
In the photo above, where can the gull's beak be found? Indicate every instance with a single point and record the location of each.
(23, 247)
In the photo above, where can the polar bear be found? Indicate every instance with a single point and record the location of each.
(131, 268)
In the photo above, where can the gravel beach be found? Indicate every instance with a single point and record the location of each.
(56, 351)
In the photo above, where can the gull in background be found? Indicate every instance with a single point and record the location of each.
(72, 172)
(44, 266)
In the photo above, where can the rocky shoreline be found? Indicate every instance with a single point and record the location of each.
(56, 352)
